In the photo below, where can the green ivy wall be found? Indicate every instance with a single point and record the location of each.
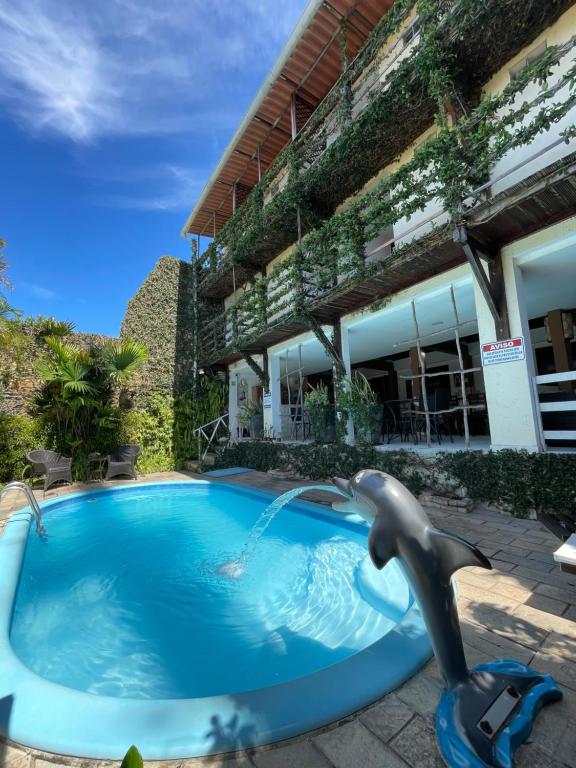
(160, 315)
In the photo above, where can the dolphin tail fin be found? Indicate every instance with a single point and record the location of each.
(458, 553)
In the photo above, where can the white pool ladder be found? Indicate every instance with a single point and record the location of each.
(18, 486)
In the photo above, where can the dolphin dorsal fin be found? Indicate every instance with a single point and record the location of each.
(456, 552)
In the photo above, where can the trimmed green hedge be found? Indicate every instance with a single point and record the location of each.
(321, 462)
(517, 481)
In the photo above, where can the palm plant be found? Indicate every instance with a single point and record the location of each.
(120, 360)
(77, 399)
(6, 311)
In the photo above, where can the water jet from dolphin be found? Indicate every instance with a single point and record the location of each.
(235, 569)
(485, 713)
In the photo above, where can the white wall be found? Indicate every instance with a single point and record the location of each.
(513, 410)
(558, 33)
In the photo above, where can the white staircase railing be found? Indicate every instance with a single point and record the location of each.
(209, 436)
(18, 486)
(557, 406)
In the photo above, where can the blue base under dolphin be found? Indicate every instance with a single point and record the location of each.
(461, 740)
(487, 712)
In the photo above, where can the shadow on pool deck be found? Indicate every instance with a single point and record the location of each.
(525, 608)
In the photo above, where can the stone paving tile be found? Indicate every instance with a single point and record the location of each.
(563, 670)
(416, 743)
(550, 726)
(502, 565)
(497, 539)
(13, 757)
(465, 591)
(475, 656)
(532, 546)
(422, 693)
(503, 622)
(547, 604)
(560, 645)
(514, 593)
(387, 717)
(571, 613)
(564, 594)
(535, 565)
(354, 745)
(544, 557)
(494, 645)
(532, 755)
(554, 579)
(515, 580)
(544, 621)
(301, 754)
(565, 748)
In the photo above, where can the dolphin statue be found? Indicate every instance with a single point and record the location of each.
(484, 713)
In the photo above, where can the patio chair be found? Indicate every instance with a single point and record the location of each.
(397, 421)
(438, 400)
(51, 465)
(123, 462)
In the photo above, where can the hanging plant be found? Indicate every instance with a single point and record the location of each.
(361, 404)
(321, 413)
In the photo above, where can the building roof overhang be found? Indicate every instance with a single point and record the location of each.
(309, 65)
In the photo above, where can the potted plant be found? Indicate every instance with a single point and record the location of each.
(322, 414)
(360, 403)
(251, 417)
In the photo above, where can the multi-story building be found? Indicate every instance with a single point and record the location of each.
(400, 199)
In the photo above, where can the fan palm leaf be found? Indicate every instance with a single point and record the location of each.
(121, 359)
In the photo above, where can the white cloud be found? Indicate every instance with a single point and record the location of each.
(124, 67)
(39, 291)
(173, 187)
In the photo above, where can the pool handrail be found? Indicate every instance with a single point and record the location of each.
(16, 485)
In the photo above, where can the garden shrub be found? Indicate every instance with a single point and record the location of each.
(516, 481)
(322, 462)
(505, 478)
(152, 429)
(18, 435)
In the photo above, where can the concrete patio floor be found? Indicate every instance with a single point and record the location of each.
(524, 609)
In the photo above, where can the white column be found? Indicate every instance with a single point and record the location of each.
(513, 410)
(345, 341)
(233, 404)
(272, 418)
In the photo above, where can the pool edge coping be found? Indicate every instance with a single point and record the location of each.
(310, 693)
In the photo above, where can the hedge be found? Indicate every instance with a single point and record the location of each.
(18, 435)
(322, 462)
(516, 481)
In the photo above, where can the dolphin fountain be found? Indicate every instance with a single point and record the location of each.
(485, 713)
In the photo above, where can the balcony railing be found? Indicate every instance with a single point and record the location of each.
(390, 62)
(335, 256)
(368, 75)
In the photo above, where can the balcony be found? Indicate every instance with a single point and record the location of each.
(348, 263)
(335, 154)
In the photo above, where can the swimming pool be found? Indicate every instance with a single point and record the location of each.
(118, 628)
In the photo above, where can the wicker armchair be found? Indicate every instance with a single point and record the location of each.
(54, 467)
(123, 461)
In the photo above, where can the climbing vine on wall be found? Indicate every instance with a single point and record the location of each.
(460, 45)
(448, 167)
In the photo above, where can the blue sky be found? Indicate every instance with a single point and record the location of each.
(112, 116)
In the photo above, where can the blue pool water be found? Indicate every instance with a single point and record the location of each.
(123, 598)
